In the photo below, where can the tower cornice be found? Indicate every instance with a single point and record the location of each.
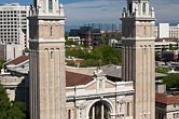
(139, 18)
(47, 18)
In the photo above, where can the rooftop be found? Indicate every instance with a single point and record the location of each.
(75, 79)
(72, 79)
(18, 60)
(21, 65)
(167, 99)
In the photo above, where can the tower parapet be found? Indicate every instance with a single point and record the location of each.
(138, 9)
(36, 11)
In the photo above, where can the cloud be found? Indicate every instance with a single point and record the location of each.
(109, 11)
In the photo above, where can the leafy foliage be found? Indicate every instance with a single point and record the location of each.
(10, 110)
(157, 56)
(99, 56)
(171, 47)
(172, 80)
(161, 70)
(1, 63)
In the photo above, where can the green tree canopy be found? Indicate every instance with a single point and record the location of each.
(172, 80)
(163, 70)
(2, 63)
(101, 55)
(10, 110)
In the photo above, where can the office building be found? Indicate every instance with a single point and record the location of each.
(14, 29)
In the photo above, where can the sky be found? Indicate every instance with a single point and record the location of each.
(80, 12)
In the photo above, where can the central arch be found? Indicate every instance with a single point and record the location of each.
(100, 109)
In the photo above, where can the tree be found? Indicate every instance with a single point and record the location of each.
(157, 56)
(1, 63)
(171, 47)
(99, 56)
(172, 81)
(10, 110)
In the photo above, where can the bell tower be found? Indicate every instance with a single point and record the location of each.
(47, 60)
(138, 21)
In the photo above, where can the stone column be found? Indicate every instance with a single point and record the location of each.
(102, 111)
(93, 112)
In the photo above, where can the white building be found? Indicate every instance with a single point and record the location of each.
(166, 35)
(165, 30)
(14, 27)
(10, 51)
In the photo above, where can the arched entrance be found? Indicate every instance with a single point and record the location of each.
(100, 110)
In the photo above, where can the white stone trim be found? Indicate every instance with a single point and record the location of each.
(138, 38)
(41, 40)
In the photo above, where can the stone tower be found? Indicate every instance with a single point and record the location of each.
(47, 65)
(138, 21)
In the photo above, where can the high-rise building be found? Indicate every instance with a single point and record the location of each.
(47, 61)
(165, 30)
(14, 30)
(138, 23)
(14, 25)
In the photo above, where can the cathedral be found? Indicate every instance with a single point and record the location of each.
(57, 94)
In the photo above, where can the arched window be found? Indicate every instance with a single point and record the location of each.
(100, 110)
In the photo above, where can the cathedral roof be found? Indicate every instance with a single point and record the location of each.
(75, 79)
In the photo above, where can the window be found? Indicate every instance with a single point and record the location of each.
(69, 114)
(51, 31)
(175, 115)
(128, 109)
(51, 55)
(50, 5)
(174, 105)
(144, 8)
(130, 7)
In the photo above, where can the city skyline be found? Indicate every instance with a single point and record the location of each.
(81, 12)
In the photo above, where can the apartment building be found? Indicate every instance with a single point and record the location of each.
(14, 29)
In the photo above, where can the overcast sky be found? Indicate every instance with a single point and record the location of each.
(109, 11)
